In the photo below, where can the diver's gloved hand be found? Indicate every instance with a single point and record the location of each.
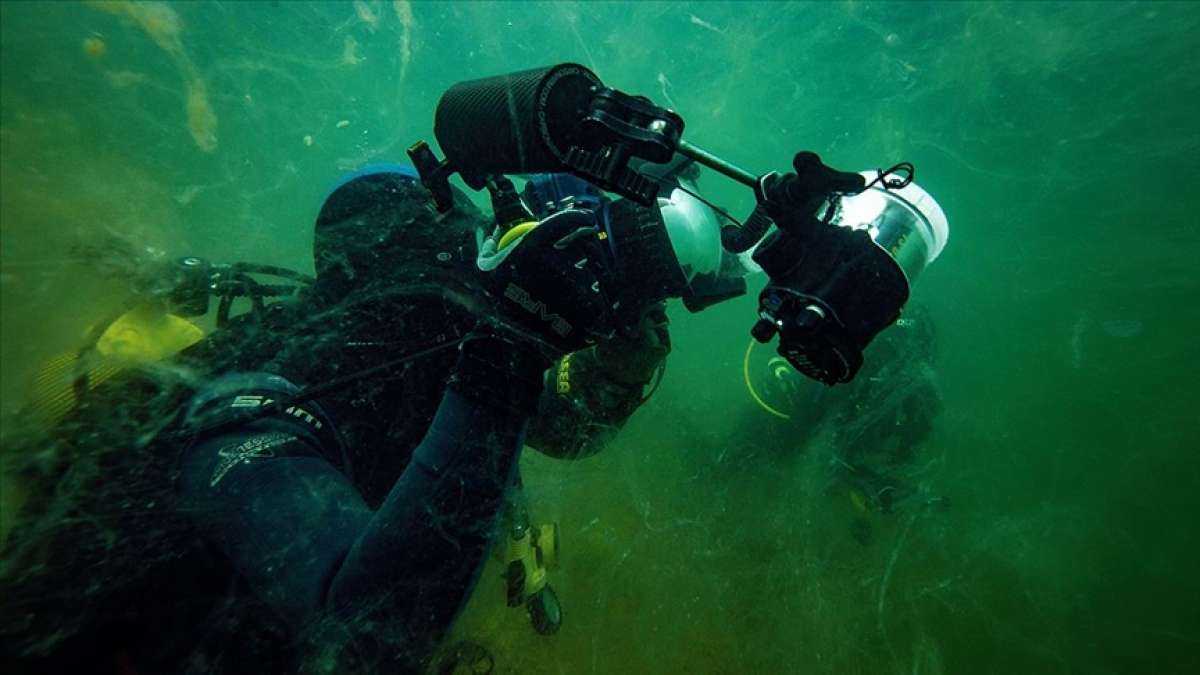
(549, 283)
(500, 370)
(631, 356)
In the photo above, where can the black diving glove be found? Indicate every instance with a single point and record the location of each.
(500, 371)
(548, 299)
(549, 284)
(631, 356)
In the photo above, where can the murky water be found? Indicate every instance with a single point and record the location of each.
(1060, 138)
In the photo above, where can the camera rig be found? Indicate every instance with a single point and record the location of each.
(831, 290)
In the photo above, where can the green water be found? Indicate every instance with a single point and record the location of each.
(1061, 140)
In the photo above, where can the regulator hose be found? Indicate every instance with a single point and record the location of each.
(739, 239)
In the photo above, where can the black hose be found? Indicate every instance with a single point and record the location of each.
(740, 239)
(223, 308)
(314, 391)
(277, 290)
(272, 270)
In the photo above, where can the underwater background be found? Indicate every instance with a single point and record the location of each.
(1060, 138)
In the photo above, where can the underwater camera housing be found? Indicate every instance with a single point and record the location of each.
(834, 282)
(838, 279)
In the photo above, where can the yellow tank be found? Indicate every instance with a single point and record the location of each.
(144, 334)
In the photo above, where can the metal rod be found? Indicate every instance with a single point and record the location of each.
(717, 164)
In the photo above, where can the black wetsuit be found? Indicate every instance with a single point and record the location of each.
(343, 532)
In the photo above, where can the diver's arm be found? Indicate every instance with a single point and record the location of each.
(300, 533)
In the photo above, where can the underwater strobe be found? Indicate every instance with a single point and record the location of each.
(546, 120)
(842, 262)
(840, 249)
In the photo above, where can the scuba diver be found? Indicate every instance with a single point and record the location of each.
(374, 503)
(314, 485)
(873, 427)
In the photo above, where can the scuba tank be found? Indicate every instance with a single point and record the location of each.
(154, 325)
